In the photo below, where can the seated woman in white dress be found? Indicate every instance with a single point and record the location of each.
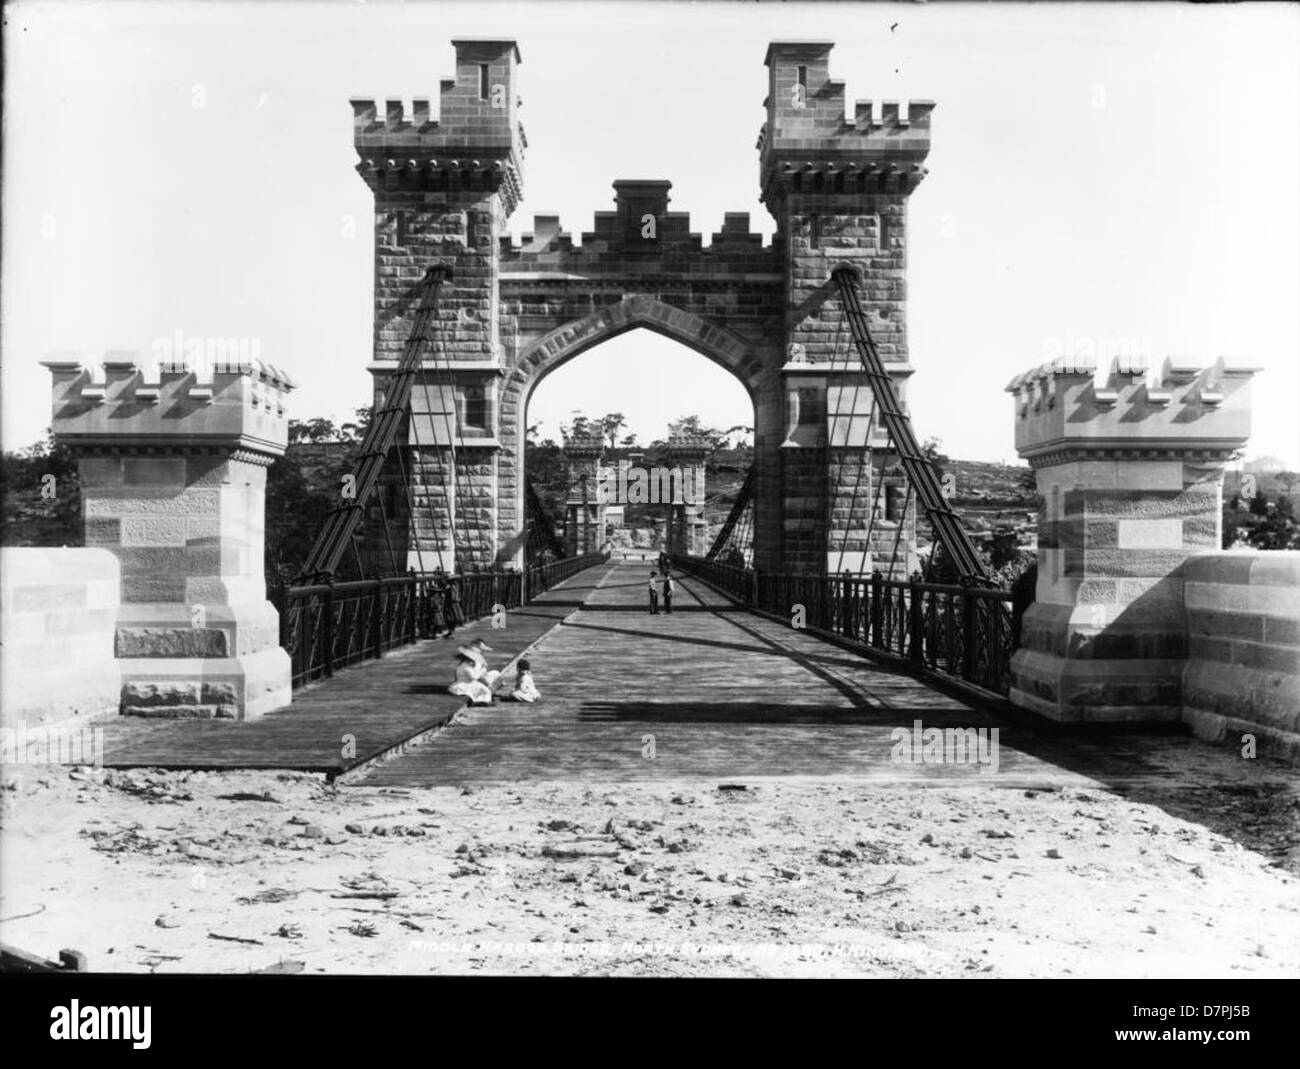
(473, 681)
(487, 675)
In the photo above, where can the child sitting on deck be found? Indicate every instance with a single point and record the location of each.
(524, 689)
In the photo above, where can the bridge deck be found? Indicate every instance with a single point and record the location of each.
(725, 694)
(380, 703)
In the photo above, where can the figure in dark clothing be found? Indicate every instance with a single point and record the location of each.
(438, 606)
(669, 586)
(455, 611)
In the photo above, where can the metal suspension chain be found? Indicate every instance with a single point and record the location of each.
(742, 502)
(343, 520)
(450, 486)
(918, 468)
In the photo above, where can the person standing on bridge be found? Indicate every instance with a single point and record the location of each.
(455, 610)
(669, 587)
(438, 605)
(654, 593)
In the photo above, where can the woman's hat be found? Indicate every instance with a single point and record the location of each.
(467, 654)
(480, 644)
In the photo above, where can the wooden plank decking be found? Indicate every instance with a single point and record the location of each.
(725, 695)
(380, 703)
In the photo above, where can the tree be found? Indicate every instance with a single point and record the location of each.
(547, 471)
(318, 429)
(930, 449)
(693, 427)
(1278, 531)
(1259, 504)
(1003, 548)
(744, 430)
(41, 495)
(610, 424)
(355, 430)
(582, 427)
(1288, 480)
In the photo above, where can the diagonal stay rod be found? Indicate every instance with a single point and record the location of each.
(342, 522)
(540, 520)
(733, 517)
(919, 469)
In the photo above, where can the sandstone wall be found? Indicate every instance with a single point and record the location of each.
(1243, 648)
(58, 614)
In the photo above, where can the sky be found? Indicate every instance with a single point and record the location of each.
(1120, 177)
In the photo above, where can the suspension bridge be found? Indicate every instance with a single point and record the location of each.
(806, 627)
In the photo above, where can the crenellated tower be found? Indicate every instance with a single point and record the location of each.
(838, 189)
(173, 459)
(444, 188)
(1130, 476)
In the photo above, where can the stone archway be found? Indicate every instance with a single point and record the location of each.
(837, 187)
(557, 347)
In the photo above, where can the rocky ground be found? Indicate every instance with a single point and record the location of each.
(246, 872)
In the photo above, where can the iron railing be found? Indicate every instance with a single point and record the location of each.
(326, 627)
(965, 632)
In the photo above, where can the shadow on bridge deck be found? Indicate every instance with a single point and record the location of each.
(711, 691)
(717, 693)
(380, 704)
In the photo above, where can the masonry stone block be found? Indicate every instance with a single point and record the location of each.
(172, 642)
(58, 608)
(173, 477)
(153, 471)
(1135, 620)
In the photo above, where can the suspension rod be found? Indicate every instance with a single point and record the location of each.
(343, 521)
(919, 469)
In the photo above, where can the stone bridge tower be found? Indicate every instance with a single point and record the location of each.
(837, 187)
(584, 507)
(838, 190)
(443, 191)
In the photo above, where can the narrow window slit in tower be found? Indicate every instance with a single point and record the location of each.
(803, 77)
(483, 87)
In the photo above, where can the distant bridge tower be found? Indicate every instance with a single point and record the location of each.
(584, 508)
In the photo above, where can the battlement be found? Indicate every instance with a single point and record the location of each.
(689, 443)
(240, 404)
(809, 144)
(586, 445)
(475, 143)
(1062, 409)
(640, 224)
